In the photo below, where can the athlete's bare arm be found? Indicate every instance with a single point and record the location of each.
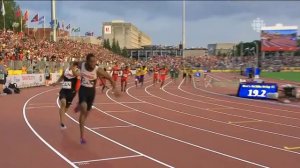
(61, 78)
(104, 74)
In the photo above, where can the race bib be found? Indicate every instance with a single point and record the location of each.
(116, 72)
(125, 75)
(1, 76)
(67, 85)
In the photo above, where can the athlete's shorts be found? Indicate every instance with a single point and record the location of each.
(115, 77)
(87, 95)
(162, 77)
(141, 79)
(184, 75)
(123, 79)
(137, 78)
(67, 94)
(172, 74)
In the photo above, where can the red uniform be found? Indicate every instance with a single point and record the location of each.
(115, 74)
(156, 73)
(163, 74)
(125, 74)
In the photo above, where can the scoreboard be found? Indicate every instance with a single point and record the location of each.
(257, 90)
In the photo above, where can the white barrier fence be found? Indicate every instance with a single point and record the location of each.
(30, 80)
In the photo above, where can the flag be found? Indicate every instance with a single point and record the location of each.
(42, 20)
(63, 25)
(35, 18)
(78, 29)
(26, 15)
(18, 13)
(51, 23)
(3, 8)
(58, 26)
(89, 33)
(68, 27)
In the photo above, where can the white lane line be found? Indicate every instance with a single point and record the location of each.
(42, 139)
(118, 126)
(38, 104)
(261, 101)
(175, 139)
(115, 103)
(193, 127)
(104, 103)
(120, 111)
(218, 121)
(131, 102)
(251, 111)
(113, 141)
(38, 107)
(105, 159)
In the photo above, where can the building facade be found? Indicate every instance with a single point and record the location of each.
(126, 34)
(195, 52)
(148, 51)
(220, 48)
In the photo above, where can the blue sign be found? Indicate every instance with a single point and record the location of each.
(257, 90)
(197, 74)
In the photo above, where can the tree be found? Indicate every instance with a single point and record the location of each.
(248, 45)
(298, 44)
(10, 15)
(114, 46)
(125, 53)
(105, 43)
(108, 44)
(118, 49)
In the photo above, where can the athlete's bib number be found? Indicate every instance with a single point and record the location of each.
(1, 76)
(87, 83)
(67, 85)
(125, 75)
(257, 93)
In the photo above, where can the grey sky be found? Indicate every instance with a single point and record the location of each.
(207, 21)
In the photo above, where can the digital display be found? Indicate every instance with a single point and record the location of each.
(279, 40)
(256, 90)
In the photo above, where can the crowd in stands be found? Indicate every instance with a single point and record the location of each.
(15, 47)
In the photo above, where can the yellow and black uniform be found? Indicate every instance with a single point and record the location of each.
(184, 73)
(138, 74)
(143, 72)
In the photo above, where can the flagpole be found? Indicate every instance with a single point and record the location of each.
(53, 17)
(4, 22)
(44, 26)
(3, 14)
(21, 23)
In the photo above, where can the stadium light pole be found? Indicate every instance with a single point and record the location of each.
(183, 27)
(256, 46)
(53, 18)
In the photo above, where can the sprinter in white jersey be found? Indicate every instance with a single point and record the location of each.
(89, 75)
(68, 90)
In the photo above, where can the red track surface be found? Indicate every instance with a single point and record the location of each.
(178, 126)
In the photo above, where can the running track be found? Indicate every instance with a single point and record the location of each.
(178, 126)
